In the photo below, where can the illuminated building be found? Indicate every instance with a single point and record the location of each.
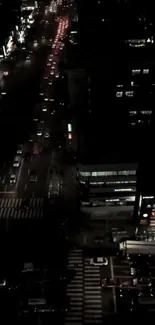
(108, 189)
(145, 198)
(29, 5)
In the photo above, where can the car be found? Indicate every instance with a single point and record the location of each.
(32, 176)
(25, 204)
(53, 112)
(28, 58)
(46, 134)
(16, 161)
(19, 149)
(44, 108)
(30, 138)
(132, 271)
(39, 132)
(99, 261)
(35, 119)
(2, 283)
(12, 179)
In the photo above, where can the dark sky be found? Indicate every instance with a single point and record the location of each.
(8, 17)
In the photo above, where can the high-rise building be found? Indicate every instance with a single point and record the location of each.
(112, 86)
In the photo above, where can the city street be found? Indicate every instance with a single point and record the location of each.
(41, 153)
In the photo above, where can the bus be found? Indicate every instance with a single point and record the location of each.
(137, 247)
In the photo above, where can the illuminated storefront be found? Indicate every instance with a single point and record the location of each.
(10, 46)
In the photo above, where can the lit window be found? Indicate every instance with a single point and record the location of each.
(135, 71)
(131, 113)
(94, 174)
(120, 182)
(85, 174)
(119, 86)
(132, 83)
(146, 112)
(119, 93)
(129, 93)
(127, 172)
(124, 189)
(105, 173)
(145, 71)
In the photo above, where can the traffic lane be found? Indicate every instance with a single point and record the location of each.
(17, 107)
(19, 62)
(105, 271)
(38, 31)
(40, 164)
(122, 271)
(12, 173)
(24, 178)
(32, 163)
(140, 272)
(107, 300)
(17, 77)
(43, 175)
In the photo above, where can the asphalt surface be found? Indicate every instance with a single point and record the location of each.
(21, 105)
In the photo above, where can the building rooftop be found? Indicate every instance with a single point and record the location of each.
(107, 148)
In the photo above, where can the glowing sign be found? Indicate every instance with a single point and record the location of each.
(69, 127)
(70, 136)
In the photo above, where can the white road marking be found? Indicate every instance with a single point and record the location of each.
(113, 289)
(6, 192)
(19, 173)
(4, 178)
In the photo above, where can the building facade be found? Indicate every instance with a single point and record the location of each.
(107, 191)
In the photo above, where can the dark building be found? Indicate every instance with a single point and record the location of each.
(111, 83)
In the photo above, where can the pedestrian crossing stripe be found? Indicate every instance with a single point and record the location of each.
(17, 202)
(84, 291)
(12, 209)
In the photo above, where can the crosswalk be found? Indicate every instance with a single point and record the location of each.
(75, 288)
(84, 291)
(92, 294)
(12, 208)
